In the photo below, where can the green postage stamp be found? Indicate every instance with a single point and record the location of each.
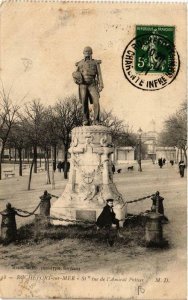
(150, 61)
(154, 56)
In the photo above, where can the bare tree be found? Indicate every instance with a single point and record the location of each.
(68, 114)
(175, 130)
(49, 139)
(122, 135)
(32, 120)
(7, 118)
(18, 139)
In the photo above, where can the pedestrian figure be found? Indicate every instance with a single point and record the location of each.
(157, 205)
(181, 168)
(160, 162)
(107, 219)
(46, 204)
(171, 162)
(62, 166)
(59, 166)
(164, 161)
(8, 225)
(65, 166)
(113, 168)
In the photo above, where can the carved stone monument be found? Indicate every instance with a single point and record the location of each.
(90, 180)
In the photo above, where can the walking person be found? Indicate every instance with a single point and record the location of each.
(65, 166)
(113, 168)
(59, 166)
(160, 162)
(181, 168)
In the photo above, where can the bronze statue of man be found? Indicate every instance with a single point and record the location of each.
(89, 78)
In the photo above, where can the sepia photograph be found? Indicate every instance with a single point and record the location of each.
(93, 150)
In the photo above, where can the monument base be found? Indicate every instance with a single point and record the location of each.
(91, 179)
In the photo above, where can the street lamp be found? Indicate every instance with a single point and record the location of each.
(139, 152)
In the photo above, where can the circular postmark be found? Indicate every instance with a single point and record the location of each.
(150, 62)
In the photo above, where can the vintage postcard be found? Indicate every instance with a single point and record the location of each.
(93, 150)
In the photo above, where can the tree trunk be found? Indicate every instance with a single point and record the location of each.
(45, 163)
(9, 153)
(35, 158)
(20, 161)
(52, 162)
(47, 169)
(23, 155)
(181, 156)
(30, 175)
(1, 166)
(28, 155)
(55, 156)
(65, 163)
(185, 155)
(177, 156)
(15, 155)
(1, 160)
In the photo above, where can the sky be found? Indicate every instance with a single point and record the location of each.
(41, 42)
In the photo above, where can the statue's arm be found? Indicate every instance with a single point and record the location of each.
(99, 75)
(77, 66)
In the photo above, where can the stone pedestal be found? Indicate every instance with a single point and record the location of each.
(90, 178)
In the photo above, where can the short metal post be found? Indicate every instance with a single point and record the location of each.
(153, 229)
(8, 225)
(45, 208)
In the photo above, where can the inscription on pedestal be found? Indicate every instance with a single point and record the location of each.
(86, 215)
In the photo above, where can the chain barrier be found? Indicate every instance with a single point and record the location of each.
(28, 214)
(65, 220)
(138, 199)
(86, 222)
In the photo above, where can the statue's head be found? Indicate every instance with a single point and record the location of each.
(87, 51)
